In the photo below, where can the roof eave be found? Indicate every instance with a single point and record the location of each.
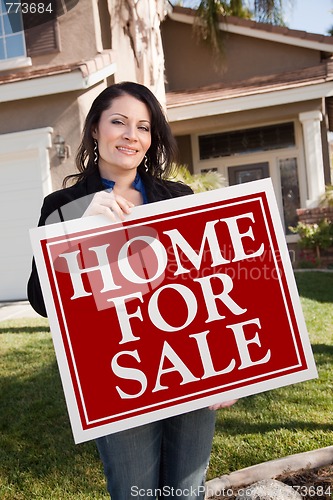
(298, 41)
(236, 104)
(66, 81)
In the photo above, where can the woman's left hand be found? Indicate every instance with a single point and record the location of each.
(225, 404)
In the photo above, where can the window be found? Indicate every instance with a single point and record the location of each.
(25, 35)
(248, 173)
(247, 141)
(12, 41)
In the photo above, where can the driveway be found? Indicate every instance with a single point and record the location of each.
(13, 310)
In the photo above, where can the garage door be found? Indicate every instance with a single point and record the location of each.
(24, 181)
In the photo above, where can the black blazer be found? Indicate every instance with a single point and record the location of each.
(72, 202)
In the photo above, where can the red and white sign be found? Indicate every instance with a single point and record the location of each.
(188, 303)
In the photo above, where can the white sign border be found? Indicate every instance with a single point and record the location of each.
(159, 210)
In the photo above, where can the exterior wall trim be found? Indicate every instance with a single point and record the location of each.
(15, 63)
(28, 139)
(54, 84)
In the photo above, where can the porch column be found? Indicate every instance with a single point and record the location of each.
(313, 155)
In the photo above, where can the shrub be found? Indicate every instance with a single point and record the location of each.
(205, 181)
(315, 236)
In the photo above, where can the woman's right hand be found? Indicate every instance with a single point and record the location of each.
(225, 404)
(114, 206)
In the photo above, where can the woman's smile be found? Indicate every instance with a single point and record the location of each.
(123, 135)
(126, 150)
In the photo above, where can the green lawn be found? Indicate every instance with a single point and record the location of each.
(38, 458)
(292, 419)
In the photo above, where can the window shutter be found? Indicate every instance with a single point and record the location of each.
(42, 39)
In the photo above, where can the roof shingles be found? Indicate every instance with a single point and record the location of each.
(86, 67)
(309, 76)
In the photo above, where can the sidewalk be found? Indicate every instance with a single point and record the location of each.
(13, 310)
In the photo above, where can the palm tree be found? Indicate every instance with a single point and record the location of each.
(269, 11)
(209, 14)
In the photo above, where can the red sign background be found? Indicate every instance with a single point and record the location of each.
(173, 311)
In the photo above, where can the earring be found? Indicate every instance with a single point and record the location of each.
(96, 155)
(146, 163)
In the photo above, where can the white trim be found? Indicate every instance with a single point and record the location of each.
(254, 101)
(262, 34)
(313, 155)
(15, 62)
(54, 84)
(292, 238)
(99, 75)
(310, 116)
(27, 139)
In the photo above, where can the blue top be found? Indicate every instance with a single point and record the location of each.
(137, 184)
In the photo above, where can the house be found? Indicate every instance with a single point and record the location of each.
(50, 72)
(266, 113)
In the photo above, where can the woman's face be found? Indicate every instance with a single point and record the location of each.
(123, 135)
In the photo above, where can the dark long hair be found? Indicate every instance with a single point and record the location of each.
(162, 151)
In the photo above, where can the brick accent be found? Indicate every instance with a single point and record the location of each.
(314, 215)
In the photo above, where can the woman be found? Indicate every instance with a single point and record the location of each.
(123, 161)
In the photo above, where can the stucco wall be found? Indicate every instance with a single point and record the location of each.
(190, 65)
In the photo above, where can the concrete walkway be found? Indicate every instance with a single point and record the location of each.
(14, 310)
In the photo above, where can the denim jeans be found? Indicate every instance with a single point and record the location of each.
(164, 459)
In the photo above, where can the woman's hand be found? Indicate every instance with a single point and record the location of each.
(225, 404)
(112, 205)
